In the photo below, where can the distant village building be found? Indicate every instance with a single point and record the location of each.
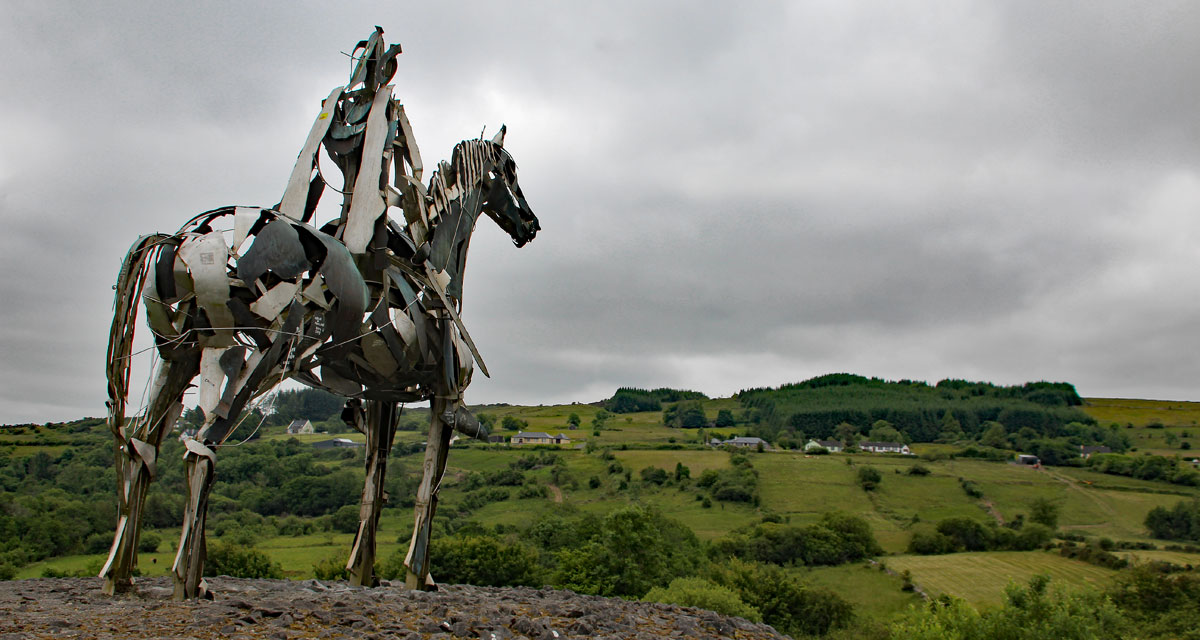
(337, 443)
(1086, 450)
(538, 437)
(299, 427)
(1024, 458)
(747, 442)
(833, 446)
(885, 447)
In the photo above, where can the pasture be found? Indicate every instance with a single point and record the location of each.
(980, 578)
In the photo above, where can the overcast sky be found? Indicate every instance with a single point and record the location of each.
(730, 194)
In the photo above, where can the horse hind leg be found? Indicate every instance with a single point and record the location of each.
(380, 430)
(136, 453)
(200, 462)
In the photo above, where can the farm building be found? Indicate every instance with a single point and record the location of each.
(1024, 458)
(336, 443)
(747, 442)
(833, 446)
(299, 426)
(885, 447)
(1086, 450)
(538, 437)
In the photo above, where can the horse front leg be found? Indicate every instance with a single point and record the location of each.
(433, 468)
(136, 453)
(380, 431)
(188, 569)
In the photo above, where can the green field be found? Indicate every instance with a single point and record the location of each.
(1160, 427)
(792, 485)
(980, 578)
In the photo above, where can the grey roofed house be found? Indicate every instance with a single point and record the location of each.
(1086, 450)
(539, 437)
(747, 442)
(884, 447)
(335, 443)
(300, 426)
(829, 445)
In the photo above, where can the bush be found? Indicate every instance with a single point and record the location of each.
(654, 475)
(783, 601)
(149, 542)
(698, 592)
(918, 470)
(1028, 612)
(966, 534)
(930, 542)
(483, 561)
(869, 477)
(345, 519)
(631, 550)
(1181, 522)
(98, 543)
(240, 562)
(535, 491)
(333, 567)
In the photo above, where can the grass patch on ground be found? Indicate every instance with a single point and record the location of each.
(875, 594)
(980, 578)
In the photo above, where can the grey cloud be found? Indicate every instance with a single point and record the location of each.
(730, 196)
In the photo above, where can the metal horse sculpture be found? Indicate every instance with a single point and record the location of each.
(365, 307)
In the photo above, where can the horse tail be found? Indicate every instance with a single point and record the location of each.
(128, 290)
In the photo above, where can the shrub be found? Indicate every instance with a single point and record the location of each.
(333, 567)
(782, 600)
(1028, 612)
(149, 542)
(632, 550)
(654, 475)
(869, 477)
(536, 490)
(345, 519)
(1043, 511)
(918, 470)
(966, 533)
(1181, 522)
(698, 592)
(98, 543)
(483, 561)
(239, 561)
(930, 542)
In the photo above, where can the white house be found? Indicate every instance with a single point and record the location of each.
(833, 446)
(538, 437)
(885, 447)
(300, 426)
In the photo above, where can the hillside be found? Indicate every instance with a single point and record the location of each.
(287, 501)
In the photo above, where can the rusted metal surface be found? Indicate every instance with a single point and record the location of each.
(367, 307)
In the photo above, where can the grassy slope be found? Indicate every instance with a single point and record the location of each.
(1182, 419)
(794, 485)
(980, 578)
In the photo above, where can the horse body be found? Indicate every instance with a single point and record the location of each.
(365, 307)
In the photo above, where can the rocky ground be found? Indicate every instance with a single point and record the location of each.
(281, 609)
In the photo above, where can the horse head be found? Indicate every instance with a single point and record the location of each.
(503, 200)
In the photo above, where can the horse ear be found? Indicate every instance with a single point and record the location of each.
(499, 139)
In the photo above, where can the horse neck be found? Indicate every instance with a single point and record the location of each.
(456, 199)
